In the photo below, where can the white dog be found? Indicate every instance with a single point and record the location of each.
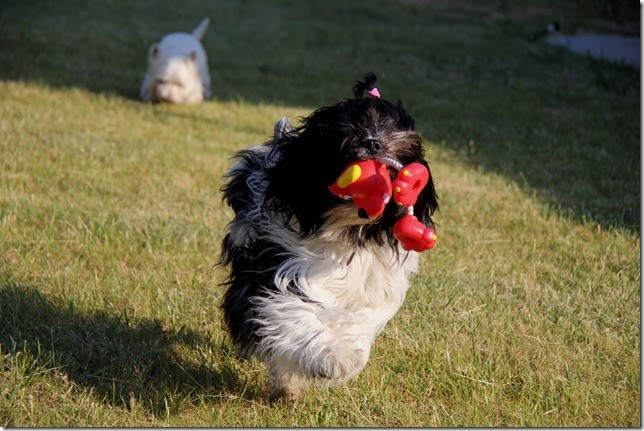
(178, 69)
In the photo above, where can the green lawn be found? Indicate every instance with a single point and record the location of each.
(527, 313)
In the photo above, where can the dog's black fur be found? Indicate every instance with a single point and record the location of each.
(304, 162)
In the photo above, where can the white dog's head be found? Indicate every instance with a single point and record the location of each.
(174, 79)
(178, 69)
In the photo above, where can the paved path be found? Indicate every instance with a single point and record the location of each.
(619, 49)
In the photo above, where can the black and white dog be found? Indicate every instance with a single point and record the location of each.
(313, 279)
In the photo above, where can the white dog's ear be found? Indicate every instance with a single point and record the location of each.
(154, 49)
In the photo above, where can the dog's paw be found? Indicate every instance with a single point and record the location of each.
(290, 393)
(339, 366)
(290, 386)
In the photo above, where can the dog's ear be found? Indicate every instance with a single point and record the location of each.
(427, 202)
(298, 182)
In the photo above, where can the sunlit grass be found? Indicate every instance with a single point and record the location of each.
(525, 314)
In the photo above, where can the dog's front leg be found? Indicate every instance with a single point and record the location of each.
(304, 341)
(285, 383)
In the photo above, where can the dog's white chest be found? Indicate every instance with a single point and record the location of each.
(370, 278)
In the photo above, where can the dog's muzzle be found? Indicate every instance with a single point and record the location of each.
(369, 149)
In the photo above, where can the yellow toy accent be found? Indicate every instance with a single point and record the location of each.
(406, 172)
(349, 176)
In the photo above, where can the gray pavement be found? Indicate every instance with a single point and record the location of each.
(615, 48)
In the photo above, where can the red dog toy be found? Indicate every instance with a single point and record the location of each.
(409, 183)
(367, 182)
(413, 235)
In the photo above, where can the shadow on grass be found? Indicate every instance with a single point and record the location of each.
(120, 360)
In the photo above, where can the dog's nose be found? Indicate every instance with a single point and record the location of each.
(373, 146)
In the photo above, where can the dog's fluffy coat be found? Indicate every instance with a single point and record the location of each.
(313, 280)
(177, 69)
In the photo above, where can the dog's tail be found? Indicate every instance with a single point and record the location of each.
(201, 29)
(282, 128)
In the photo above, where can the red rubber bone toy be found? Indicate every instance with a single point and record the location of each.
(411, 233)
(367, 182)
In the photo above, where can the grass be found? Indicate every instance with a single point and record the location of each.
(527, 313)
